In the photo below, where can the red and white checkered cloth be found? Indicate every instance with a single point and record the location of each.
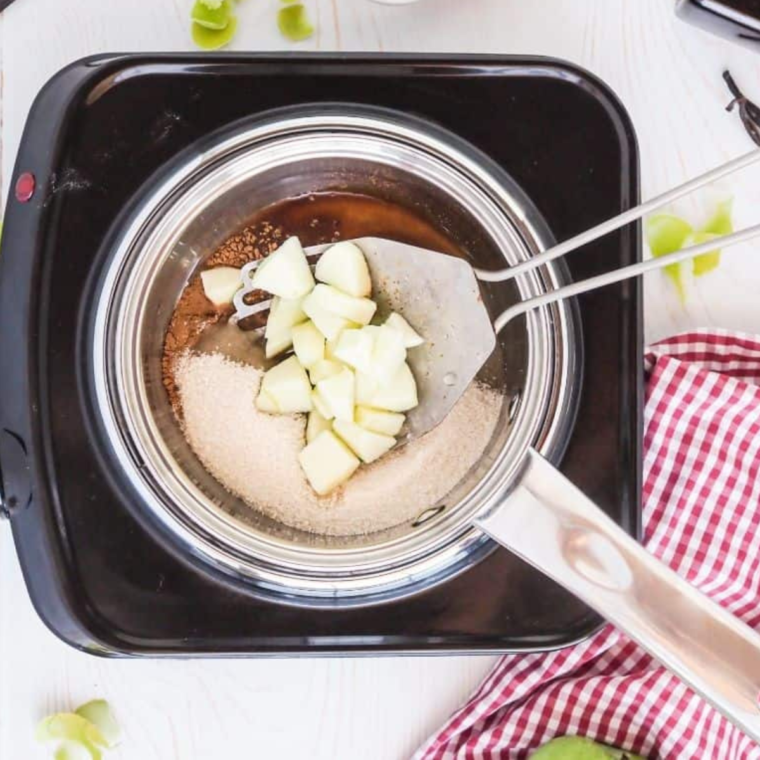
(701, 517)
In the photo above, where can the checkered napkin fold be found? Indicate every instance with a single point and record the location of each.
(702, 517)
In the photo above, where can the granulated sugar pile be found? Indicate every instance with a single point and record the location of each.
(255, 455)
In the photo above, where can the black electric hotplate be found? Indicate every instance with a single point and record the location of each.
(95, 133)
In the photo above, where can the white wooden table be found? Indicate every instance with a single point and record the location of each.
(669, 77)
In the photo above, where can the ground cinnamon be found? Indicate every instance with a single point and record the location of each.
(194, 312)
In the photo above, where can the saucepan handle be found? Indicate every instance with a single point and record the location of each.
(548, 522)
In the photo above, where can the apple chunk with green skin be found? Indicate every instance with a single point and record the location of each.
(333, 301)
(379, 421)
(344, 267)
(397, 395)
(286, 272)
(315, 425)
(288, 386)
(220, 284)
(308, 344)
(327, 462)
(412, 338)
(284, 314)
(338, 394)
(368, 446)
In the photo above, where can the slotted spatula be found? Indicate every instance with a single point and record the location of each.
(439, 295)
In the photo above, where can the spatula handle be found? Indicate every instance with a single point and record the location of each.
(621, 220)
(625, 273)
(552, 525)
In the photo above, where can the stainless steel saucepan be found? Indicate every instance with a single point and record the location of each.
(515, 494)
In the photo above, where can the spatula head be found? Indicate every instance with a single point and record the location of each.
(439, 296)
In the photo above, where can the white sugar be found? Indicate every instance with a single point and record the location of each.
(255, 455)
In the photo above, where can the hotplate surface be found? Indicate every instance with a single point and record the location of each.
(95, 133)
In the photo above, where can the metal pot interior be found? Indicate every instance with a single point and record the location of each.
(214, 194)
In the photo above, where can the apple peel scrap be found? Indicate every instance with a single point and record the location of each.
(349, 375)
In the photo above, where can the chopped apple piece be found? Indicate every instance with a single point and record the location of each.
(366, 387)
(327, 462)
(333, 301)
(220, 284)
(412, 338)
(288, 387)
(329, 324)
(321, 406)
(277, 345)
(284, 314)
(361, 378)
(308, 344)
(356, 348)
(399, 394)
(330, 347)
(379, 421)
(285, 272)
(368, 446)
(323, 369)
(389, 353)
(344, 267)
(338, 393)
(315, 425)
(266, 403)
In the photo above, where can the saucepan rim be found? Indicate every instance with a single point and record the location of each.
(268, 565)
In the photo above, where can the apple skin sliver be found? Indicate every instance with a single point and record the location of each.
(213, 39)
(293, 22)
(216, 18)
(99, 713)
(69, 726)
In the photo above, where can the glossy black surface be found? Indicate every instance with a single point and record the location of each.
(737, 20)
(96, 132)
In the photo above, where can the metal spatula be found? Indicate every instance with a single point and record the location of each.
(439, 295)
